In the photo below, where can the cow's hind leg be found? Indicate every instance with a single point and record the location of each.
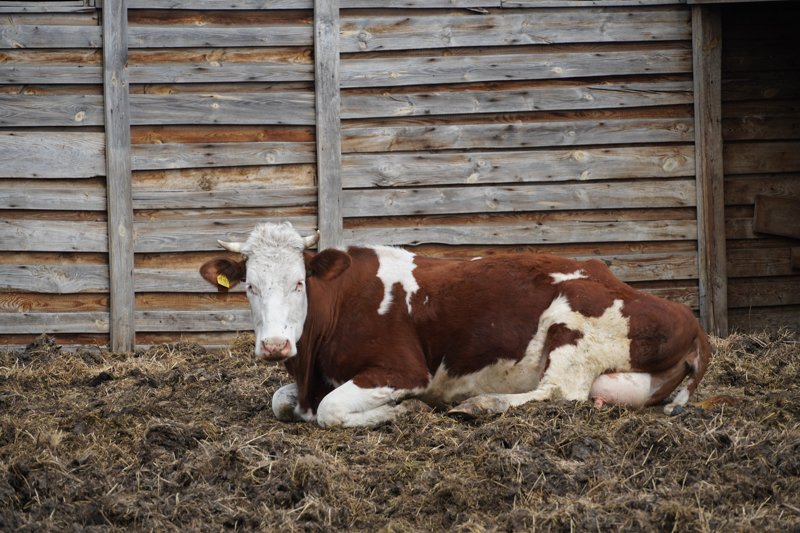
(351, 406)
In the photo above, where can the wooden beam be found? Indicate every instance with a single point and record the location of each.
(707, 62)
(328, 100)
(118, 172)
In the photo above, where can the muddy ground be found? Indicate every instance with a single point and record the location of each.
(180, 439)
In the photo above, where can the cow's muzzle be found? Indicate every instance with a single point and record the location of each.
(275, 349)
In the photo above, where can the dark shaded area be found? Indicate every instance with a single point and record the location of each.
(178, 438)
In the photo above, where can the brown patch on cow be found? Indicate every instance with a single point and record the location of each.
(223, 273)
(558, 335)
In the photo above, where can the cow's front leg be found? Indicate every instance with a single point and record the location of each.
(351, 406)
(285, 407)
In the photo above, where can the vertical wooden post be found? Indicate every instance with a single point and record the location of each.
(707, 73)
(329, 145)
(118, 174)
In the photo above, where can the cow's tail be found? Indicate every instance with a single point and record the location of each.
(697, 362)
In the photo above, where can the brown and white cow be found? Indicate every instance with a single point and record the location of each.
(362, 330)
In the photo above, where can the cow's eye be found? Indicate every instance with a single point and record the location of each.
(299, 286)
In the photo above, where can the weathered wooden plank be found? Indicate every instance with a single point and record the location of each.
(118, 164)
(394, 71)
(516, 134)
(744, 189)
(761, 157)
(31, 302)
(527, 232)
(182, 235)
(795, 258)
(764, 125)
(283, 107)
(707, 54)
(250, 197)
(585, 3)
(50, 73)
(218, 4)
(329, 138)
(540, 26)
(173, 36)
(49, 36)
(25, 110)
(452, 200)
(15, 195)
(159, 156)
(214, 71)
(777, 216)
(172, 281)
(759, 261)
(761, 318)
(413, 169)
(51, 154)
(32, 6)
(496, 99)
(50, 323)
(686, 295)
(761, 292)
(54, 279)
(228, 320)
(420, 4)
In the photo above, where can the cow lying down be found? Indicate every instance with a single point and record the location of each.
(362, 330)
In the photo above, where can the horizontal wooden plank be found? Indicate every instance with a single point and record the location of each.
(64, 195)
(777, 216)
(186, 235)
(516, 134)
(33, 6)
(413, 169)
(54, 279)
(52, 154)
(496, 99)
(223, 108)
(227, 320)
(762, 127)
(482, 4)
(396, 71)
(686, 295)
(540, 26)
(52, 323)
(217, 4)
(52, 236)
(50, 73)
(173, 36)
(749, 86)
(526, 232)
(584, 3)
(761, 157)
(251, 197)
(762, 292)
(472, 199)
(50, 36)
(743, 189)
(761, 318)
(26, 110)
(173, 280)
(161, 156)
(759, 261)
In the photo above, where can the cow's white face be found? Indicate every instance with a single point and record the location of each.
(276, 290)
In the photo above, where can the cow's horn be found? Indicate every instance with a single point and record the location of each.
(311, 240)
(232, 246)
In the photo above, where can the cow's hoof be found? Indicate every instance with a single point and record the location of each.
(478, 406)
(416, 406)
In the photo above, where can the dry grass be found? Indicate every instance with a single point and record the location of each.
(179, 439)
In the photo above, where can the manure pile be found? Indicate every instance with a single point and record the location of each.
(176, 438)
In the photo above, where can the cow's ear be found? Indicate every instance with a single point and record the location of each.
(223, 273)
(328, 264)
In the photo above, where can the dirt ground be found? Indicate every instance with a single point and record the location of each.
(179, 439)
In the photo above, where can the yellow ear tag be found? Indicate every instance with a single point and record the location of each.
(222, 280)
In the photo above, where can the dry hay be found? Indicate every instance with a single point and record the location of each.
(179, 439)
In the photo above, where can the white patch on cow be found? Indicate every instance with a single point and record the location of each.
(395, 265)
(572, 368)
(559, 277)
(679, 400)
(352, 406)
(622, 388)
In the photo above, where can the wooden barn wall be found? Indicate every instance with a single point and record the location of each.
(761, 132)
(222, 136)
(562, 127)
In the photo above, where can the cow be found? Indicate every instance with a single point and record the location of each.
(362, 329)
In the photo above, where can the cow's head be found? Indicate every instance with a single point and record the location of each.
(275, 270)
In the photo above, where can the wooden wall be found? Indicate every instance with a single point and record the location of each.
(565, 128)
(761, 131)
(562, 126)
